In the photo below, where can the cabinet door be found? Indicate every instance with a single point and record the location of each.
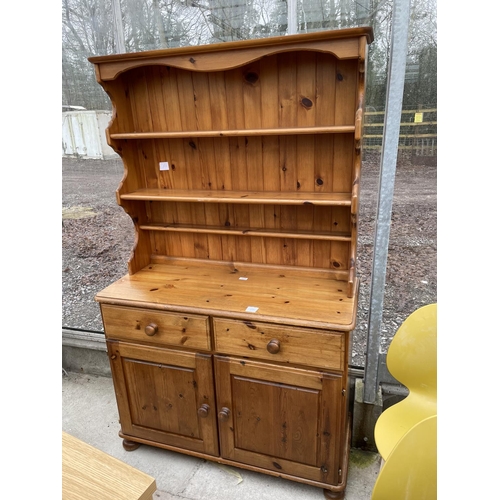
(291, 421)
(165, 396)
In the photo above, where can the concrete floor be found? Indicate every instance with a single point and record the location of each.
(89, 413)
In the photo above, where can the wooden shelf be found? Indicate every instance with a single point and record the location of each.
(249, 197)
(268, 233)
(338, 129)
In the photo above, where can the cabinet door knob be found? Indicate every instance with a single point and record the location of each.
(224, 413)
(151, 329)
(274, 346)
(203, 410)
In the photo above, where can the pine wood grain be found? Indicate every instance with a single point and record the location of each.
(270, 233)
(229, 337)
(243, 196)
(159, 392)
(171, 329)
(232, 54)
(295, 129)
(289, 427)
(244, 132)
(298, 298)
(319, 348)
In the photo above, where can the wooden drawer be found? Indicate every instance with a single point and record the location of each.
(174, 329)
(319, 348)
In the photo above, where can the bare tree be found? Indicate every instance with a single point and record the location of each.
(153, 24)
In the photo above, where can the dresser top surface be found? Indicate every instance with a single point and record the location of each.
(243, 291)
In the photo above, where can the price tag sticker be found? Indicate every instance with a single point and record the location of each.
(251, 309)
(164, 165)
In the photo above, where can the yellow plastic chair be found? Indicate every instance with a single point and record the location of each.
(410, 472)
(412, 360)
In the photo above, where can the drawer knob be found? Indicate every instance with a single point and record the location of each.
(151, 329)
(274, 346)
(224, 413)
(203, 410)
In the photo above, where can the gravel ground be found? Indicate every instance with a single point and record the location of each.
(97, 237)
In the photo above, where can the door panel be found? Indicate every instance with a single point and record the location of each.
(158, 398)
(257, 404)
(280, 418)
(165, 395)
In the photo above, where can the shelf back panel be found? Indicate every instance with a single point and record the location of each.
(239, 216)
(291, 89)
(332, 255)
(247, 248)
(302, 163)
(296, 89)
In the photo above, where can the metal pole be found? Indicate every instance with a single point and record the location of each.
(119, 37)
(392, 122)
(292, 17)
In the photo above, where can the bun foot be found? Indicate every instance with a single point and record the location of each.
(334, 495)
(130, 445)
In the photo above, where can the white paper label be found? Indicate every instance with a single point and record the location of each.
(164, 165)
(251, 309)
(243, 279)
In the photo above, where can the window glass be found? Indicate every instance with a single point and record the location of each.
(98, 236)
